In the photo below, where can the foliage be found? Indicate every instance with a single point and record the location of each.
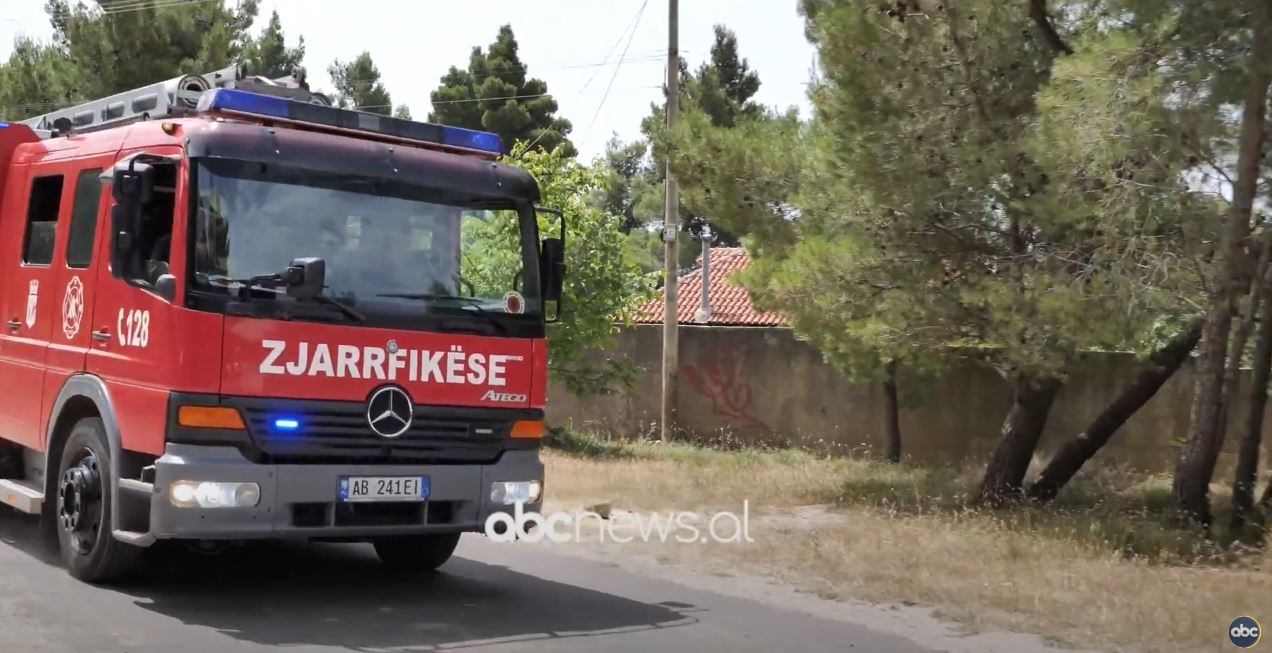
(96, 52)
(118, 50)
(952, 193)
(721, 89)
(37, 78)
(358, 85)
(268, 53)
(496, 94)
(603, 284)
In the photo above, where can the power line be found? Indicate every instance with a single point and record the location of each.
(631, 26)
(142, 5)
(657, 54)
(660, 58)
(529, 96)
(613, 77)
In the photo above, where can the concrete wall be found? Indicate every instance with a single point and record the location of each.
(760, 384)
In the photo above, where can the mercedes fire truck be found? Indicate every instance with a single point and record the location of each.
(234, 311)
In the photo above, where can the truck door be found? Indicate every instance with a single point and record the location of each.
(31, 302)
(74, 288)
(132, 346)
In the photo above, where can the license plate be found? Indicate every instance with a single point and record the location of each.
(384, 488)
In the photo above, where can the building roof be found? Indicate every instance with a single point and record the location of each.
(730, 304)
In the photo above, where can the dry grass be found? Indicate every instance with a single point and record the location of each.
(1101, 568)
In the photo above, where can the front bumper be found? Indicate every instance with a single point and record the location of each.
(301, 501)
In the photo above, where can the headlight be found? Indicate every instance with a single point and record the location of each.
(209, 494)
(508, 493)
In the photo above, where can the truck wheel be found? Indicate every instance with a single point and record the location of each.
(84, 538)
(416, 553)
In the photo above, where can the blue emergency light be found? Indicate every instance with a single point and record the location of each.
(3, 125)
(226, 100)
(286, 423)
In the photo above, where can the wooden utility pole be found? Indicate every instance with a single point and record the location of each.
(671, 228)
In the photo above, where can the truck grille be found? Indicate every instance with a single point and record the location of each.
(333, 431)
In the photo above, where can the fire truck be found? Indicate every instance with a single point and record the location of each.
(236, 312)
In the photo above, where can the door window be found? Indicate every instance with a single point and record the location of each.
(84, 209)
(42, 211)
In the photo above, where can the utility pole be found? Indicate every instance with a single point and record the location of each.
(671, 227)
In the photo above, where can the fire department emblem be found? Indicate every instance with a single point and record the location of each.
(72, 308)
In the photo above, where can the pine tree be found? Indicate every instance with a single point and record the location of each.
(494, 93)
(721, 88)
(268, 53)
(358, 85)
(114, 51)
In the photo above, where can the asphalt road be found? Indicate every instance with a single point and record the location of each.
(337, 598)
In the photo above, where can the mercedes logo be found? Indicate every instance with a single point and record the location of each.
(389, 411)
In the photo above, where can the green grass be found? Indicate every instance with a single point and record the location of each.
(1110, 511)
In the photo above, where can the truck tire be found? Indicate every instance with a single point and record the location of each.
(416, 553)
(82, 508)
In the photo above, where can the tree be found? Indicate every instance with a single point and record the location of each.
(722, 89)
(113, 50)
(1076, 452)
(36, 79)
(1245, 474)
(268, 54)
(1207, 426)
(99, 49)
(603, 286)
(402, 112)
(358, 85)
(494, 93)
(627, 176)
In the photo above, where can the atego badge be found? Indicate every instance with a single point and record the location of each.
(389, 411)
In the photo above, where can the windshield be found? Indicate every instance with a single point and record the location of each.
(387, 245)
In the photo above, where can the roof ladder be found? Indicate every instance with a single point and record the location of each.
(175, 97)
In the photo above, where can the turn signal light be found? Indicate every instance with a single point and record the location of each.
(527, 428)
(210, 417)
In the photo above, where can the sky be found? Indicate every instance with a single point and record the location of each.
(563, 42)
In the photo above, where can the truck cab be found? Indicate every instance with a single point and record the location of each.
(266, 317)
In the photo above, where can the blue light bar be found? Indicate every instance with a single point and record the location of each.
(3, 125)
(243, 102)
(471, 139)
(286, 424)
(266, 106)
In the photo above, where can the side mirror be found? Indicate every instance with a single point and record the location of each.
(133, 179)
(552, 268)
(305, 277)
(552, 263)
(132, 187)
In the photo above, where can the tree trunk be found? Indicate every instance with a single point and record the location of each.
(1248, 455)
(1196, 464)
(1162, 365)
(1005, 473)
(891, 418)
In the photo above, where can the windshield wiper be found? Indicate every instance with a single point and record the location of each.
(471, 302)
(349, 311)
(274, 283)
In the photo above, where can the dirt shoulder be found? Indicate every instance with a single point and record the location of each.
(1099, 573)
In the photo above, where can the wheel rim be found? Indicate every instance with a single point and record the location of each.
(79, 502)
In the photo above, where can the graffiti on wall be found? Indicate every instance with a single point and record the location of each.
(719, 374)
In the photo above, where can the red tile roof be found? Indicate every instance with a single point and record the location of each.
(730, 304)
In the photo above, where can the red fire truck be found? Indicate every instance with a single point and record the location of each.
(237, 312)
